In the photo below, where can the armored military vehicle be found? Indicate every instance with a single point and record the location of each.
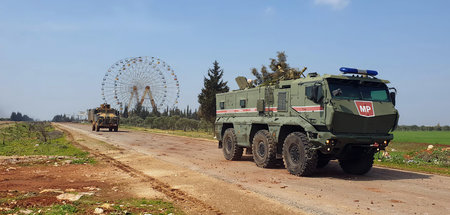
(104, 117)
(307, 122)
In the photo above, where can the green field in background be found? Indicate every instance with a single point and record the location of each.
(430, 137)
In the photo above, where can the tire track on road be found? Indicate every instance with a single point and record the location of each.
(173, 194)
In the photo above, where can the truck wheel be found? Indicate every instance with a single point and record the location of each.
(116, 129)
(110, 129)
(298, 154)
(97, 128)
(359, 165)
(93, 127)
(231, 151)
(264, 149)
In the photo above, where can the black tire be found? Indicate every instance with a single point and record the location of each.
(97, 128)
(359, 165)
(264, 149)
(93, 127)
(110, 129)
(322, 162)
(299, 157)
(231, 151)
(116, 129)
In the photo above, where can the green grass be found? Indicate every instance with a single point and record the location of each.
(87, 205)
(414, 156)
(195, 134)
(429, 137)
(21, 140)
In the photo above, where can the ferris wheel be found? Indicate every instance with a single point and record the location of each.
(147, 81)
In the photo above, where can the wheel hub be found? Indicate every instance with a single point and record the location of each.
(228, 144)
(294, 153)
(261, 149)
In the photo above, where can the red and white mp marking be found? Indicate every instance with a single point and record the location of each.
(365, 108)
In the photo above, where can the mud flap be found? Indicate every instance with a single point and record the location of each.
(220, 145)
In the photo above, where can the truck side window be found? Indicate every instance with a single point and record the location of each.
(242, 103)
(282, 101)
(314, 93)
(309, 92)
(222, 105)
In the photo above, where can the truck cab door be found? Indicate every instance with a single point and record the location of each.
(313, 106)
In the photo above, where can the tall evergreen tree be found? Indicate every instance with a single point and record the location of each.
(212, 84)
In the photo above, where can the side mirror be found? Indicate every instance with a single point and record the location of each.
(392, 95)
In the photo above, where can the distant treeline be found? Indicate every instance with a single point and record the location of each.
(169, 119)
(423, 128)
(19, 117)
(63, 118)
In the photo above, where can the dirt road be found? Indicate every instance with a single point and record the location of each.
(198, 168)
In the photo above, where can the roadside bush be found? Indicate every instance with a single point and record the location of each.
(168, 123)
(438, 157)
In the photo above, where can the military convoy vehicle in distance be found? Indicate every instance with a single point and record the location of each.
(104, 117)
(309, 121)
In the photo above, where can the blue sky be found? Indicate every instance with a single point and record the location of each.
(54, 54)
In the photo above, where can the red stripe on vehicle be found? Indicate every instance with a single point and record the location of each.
(244, 110)
(308, 108)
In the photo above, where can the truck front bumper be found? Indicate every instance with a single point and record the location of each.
(329, 143)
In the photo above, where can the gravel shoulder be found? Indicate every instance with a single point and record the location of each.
(197, 169)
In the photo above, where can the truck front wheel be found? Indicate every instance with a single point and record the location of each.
(231, 151)
(358, 165)
(298, 155)
(264, 149)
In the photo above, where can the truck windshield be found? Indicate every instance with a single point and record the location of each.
(356, 90)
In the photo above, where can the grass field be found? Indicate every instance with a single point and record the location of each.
(409, 151)
(38, 139)
(429, 137)
(86, 205)
(25, 139)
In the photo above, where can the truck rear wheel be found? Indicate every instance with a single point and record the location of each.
(231, 151)
(110, 129)
(298, 155)
(97, 128)
(264, 149)
(116, 129)
(359, 165)
(93, 127)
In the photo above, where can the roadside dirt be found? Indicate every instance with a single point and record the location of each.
(197, 169)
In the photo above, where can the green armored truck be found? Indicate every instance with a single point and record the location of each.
(307, 122)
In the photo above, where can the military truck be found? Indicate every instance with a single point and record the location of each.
(104, 117)
(307, 122)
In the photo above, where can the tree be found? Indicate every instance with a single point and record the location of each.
(19, 117)
(212, 84)
(280, 71)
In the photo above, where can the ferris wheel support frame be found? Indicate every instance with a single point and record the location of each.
(149, 92)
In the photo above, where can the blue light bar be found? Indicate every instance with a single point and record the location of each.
(346, 70)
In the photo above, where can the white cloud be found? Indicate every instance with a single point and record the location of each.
(269, 11)
(335, 4)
